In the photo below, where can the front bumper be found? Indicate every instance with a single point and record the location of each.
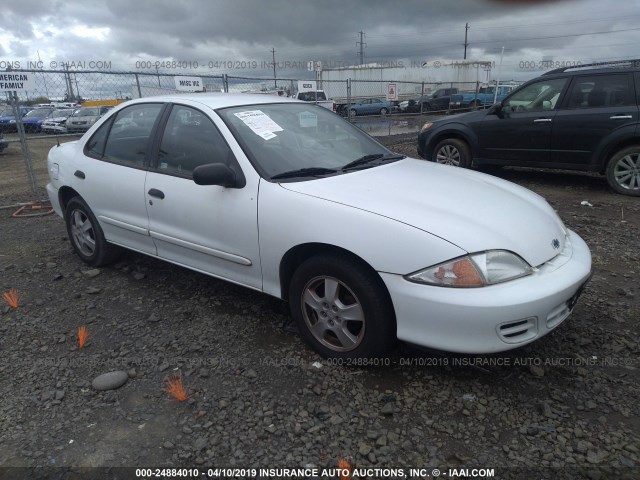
(494, 318)
(54, 129)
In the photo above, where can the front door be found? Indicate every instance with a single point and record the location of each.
(521, 132)
(208, 228)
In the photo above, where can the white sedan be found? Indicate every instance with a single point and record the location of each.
(287, 198)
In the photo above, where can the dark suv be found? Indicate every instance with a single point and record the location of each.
(578, 118)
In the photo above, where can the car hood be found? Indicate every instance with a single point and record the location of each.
(56, 119)
(474, 211)
(466, 117)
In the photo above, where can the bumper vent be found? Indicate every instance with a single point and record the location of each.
(557, 315)
(518, 330)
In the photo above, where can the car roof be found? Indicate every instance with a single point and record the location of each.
(217, 100)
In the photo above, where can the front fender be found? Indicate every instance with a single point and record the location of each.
(452, 130)
(287, 219)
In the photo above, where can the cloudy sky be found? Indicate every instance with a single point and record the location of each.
(222, 34)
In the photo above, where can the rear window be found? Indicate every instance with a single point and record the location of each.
(311, 96)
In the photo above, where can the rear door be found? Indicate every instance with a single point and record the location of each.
(112, 174)
(598, 110)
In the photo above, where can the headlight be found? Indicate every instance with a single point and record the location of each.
(475, 270)
(426, 126)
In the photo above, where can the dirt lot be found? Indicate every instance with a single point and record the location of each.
(564, 407)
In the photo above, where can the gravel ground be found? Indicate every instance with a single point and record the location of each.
(564, 407)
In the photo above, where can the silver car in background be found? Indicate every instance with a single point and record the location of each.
(57, 121)
(84, 118)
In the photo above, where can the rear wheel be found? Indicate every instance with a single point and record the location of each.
(383, 111)
(452, 151)
(86, 235)
(623, 171)
(341, 308)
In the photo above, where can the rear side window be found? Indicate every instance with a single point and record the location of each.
(125, 139)
(595, 91)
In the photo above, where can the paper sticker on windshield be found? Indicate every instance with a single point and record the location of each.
(308, 119)
(259, 123)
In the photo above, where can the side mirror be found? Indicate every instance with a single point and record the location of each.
(217, 174)
(495, 109)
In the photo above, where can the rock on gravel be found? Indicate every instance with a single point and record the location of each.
(110, 381)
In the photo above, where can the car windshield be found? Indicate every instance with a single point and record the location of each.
(282, 138)
(39, 113)
(87, 112)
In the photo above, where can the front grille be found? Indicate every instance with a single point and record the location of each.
(519, 330)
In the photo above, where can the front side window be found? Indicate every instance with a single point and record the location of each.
(190, 139)
(125, 138)
(601, 91)
(539, 96)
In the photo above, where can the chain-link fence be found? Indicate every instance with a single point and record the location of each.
(58, 93)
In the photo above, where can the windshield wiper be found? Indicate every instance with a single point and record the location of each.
(370, 158)
(304, 172)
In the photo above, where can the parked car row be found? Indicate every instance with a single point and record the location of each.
(49, 119)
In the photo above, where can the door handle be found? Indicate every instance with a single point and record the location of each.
(79, 174)
(620, 117)
(539, 120)
(154, 192)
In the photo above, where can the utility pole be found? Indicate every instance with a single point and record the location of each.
(362, 44)
(273, 52)
(466, 29)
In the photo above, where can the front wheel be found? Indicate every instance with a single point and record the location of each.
(342, 309)
(86, 235)
(453, 152)
(383, 111)
(354, 112)
(623, 171)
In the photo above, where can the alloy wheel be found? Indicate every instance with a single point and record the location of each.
(448, 155)
(333, 314)
(627, 172)
(83, 233)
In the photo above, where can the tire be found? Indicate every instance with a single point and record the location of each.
(623, 171)
(384, 111)
(86, 235)
(354, 112)
(427, 107)
(358, 292)
(475, 105)
(452, 151)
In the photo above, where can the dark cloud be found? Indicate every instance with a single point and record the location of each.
(304, 30)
